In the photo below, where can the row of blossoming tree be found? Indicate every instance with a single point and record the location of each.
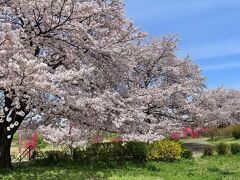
(84, 62)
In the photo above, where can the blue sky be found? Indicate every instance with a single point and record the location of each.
(209, 31)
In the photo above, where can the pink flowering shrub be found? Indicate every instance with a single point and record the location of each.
(28, 143)
(175, 136)
(33, 141)
(193, 133)
(187, 132)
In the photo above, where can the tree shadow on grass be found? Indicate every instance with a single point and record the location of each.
(99, 170)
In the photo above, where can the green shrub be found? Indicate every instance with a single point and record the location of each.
(164, 151)
(211, 133)
(214, 132)
(55, 157)
(226, 132)
(102, 151)
(236, 132)
(235, 148)
(41, 144)
(208, 150)
(137, 150)
(221, 148)
(112, 150)
(79, 154)
(92, 152)
(187, 153)
(41, 154)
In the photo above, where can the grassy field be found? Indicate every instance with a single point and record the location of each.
(210, 168)
(225, 140)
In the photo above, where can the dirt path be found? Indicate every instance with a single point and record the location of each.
(196, 145)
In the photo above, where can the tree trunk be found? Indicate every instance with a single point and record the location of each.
(5, 157)
(9, 124)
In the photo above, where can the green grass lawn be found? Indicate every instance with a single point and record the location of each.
(225, 140)
(210, 168)
(215, 167)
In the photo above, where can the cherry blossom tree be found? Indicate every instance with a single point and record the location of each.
(68, 134)
(83, 61)
(54, 55)
(219, 107)
(164, 85)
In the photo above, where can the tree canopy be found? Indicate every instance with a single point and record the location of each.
(85, 62)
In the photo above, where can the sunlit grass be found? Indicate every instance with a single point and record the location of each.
(215, 167)
(225, 140)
